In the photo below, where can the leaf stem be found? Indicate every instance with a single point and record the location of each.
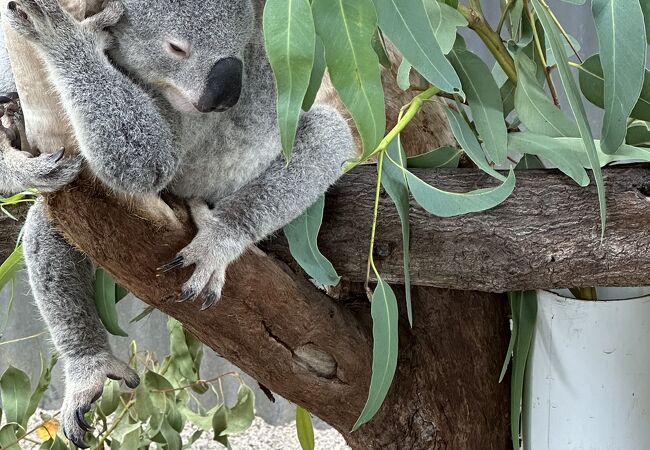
(491, 39)
(413, 107)
(542, 58)
(504, 15)
(373, 233)
(116, 422)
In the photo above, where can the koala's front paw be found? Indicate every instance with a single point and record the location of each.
(47, 172)
(41, 21)
(213, 248)
(85, 379)
(45, 23)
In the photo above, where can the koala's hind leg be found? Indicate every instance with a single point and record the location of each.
(62, 281)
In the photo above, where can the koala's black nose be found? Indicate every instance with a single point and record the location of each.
(224, 86)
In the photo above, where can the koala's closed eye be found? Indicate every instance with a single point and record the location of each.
(177, 49)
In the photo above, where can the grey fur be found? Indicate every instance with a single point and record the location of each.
(132, 113)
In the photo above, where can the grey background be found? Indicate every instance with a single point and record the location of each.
(151, 334)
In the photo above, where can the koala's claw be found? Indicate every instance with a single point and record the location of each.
(81, 420)
(209, 301)
(175, 263)
(85, 379)
(186, 294)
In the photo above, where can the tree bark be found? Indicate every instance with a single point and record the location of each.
(546, 235)
(312, 349)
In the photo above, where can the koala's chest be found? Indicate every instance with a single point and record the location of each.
(220, 158)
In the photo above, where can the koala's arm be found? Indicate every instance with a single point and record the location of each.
(279, 195)
(122, 134)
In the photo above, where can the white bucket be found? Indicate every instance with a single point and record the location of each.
(588, 375)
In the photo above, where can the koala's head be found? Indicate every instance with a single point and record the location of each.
(190, 50)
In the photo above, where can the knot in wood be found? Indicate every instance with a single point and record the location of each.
(315, 360)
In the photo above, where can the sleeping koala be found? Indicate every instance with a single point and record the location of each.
(170, 95)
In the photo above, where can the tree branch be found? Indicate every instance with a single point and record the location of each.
(546, 235)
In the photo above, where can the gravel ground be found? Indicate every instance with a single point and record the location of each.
(261, 436)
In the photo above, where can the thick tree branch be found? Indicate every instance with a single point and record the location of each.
(546, 235)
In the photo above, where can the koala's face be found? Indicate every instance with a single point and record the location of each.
(190, 50)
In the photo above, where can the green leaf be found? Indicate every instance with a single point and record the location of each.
(638, 135)
(8, 435)
(570, 47)
(507, 92)
(484, 99)
(378, 46)
(575, 2)
(105, 302)
(305, 429)
(110, 398)
(241, 416)
(404, 75)
(440, 158)
(385, 318)
(621, 30)
(406, 23)
(449, 204)
(43, 384)
(645, 6)
(466, 138)
(346, 29)
(536, 111)
(394, 181)
(290, 39)
(120, 293)
(316, 77)
(548, 148)
(145, 313)
(180, 352)
(444, 21)
(220, 424)
(524, 316)
(15, 392)
(171, 436)
(11, 266)
(575, 101)
(302, 235)
(592, 86)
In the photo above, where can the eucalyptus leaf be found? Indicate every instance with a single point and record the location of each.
(302, 235)
(645, 6)
(407, 25)
(346, 29)
(404, 75)
(180, 352)
(11, 266)
(241, 416)
(43, 384)
(449, 204)
(536, 111)
(105, 303)
(444, 20)
(385, 317)
(440, 158)
(575, 101)
(638, 135)
(484, 99)
(466, 138)
(620, 28)
(305, 429)
(15, 393)
(290, 38)
(220, 424)
(316, 77)
(110, 399)
(394, 181)
(529, 162)
(548, 148)
(507, 92)
(172, 437)
(592, 86)
(524, 316)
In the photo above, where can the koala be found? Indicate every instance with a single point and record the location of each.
(177, 96)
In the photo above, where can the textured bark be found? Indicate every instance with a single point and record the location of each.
(546, 235)
(310, 348)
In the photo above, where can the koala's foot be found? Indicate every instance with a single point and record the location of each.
(85, 379)
(47, 172)
(213, 248)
